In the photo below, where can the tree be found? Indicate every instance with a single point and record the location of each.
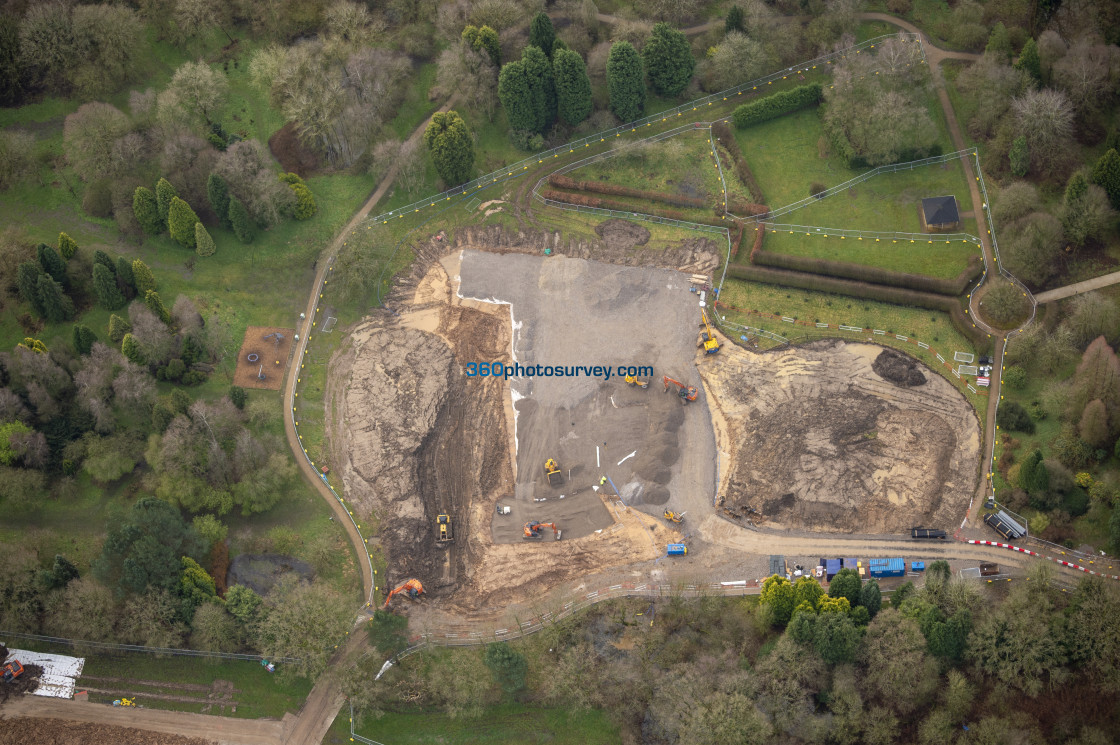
(1029, 61)
(668, 60)
(165, 192)
(214, 629)
(1005, 304)
(146, 548)
(734, 20)
(1020, 157)
(836, 638)
(147, 211)
(181, 220)
(898, 669)
(299, 617)
(144, 279)
(67, 246)
(508, 666)
(240, 221)
(61, 573)
(516, 96)
(203, 243)
(871, 597)
(807, 590)
(27, 280)
(999, 44)
(196, 93)
(217, 192)
(450, 144)
(542, 86)
(105, 287)
(1045, 118)
(778, 595)
(243, 604)
(485, 39)
(83, 338)
(625, 81)
(472, 73)
(1021, 641)
(573, 87)
(1106, 174)
(52, 264)
(196, 587)
(735, 59)
(541, 33)
(247, 169)
(846, 584)
(1097, 377)
(118, 327)
(1073, 208)
(88, 137)
(237, 396)
(1093, 427)
(152, 300)
(1033, 476)
(57, 306)
(132, 350)
(125, 279)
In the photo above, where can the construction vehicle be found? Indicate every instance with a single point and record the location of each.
(676, 549)
(534, 529)
(125, 702)
(552, 471)
(446, 534)
(708, 339)
(12, 671)
(632, 380)
(411, 588)
(674, 517)
(685, 392)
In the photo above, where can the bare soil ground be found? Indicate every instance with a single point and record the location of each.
(415, 437)
(822, 441)
(269, 357)
(24, 731)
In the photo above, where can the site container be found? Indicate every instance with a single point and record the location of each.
(917, 566)
(677, 549)
(926, 533)
(851, 563)
(1005, 529)
(831, 568)
(887, 567)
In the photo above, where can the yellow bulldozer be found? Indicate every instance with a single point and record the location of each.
(674, 517)
(552, 472)
(632, 380)
(446, 533)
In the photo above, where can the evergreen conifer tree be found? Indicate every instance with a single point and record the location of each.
(625, 81)
(1106, 174)
(541, 33)
(240, 221)
(118, 327)
(27, 280)
(165, 192)
(146, 209)
(130, 348)
(203, 243)
(143, 279)
(124, 274)
(105, 287)
(668, 60)
(573, 87)
(151, 299)
(56, 305)
(67, 246)
(181, 220)
(217, 191)
(83, 338)
(52, 264)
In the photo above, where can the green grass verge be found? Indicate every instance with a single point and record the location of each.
(509, 723)
(938, 259)
(416, 106)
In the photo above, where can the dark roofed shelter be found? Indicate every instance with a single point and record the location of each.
(940, 214)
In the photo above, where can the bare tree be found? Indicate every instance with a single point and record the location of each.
(185, 315)
(1088, 76)
(1045, 118)
(133, 386)
(196, 93)
(88, 136)
(16, 162)
(471, 74)
(106, 38)
(737, 59)
(672, 11)
(193, 18)
(351, 22)
(150, 333)
(1051, 48)
(410, 166)
(247, 168)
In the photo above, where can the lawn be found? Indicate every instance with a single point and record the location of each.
(754, 304)
(508, 723)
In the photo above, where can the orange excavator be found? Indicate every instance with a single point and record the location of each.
(533, 529)
(686, 392)
(412, 588)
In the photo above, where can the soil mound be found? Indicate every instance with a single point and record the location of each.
(622, 234)
(35, 731)
(261, 572)
(898, 369)
(25, 683)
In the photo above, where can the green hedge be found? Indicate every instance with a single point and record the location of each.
(895, 295)
(773, 106)
(725, 137)
(952, 287)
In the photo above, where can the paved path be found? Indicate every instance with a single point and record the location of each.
(1079, 287)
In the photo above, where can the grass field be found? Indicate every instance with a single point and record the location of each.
(681, 165)
(512, 724)
(938, 259)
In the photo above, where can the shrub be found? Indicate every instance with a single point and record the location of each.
(304, 207)
(1015, 377)
(525, 139)
(816, 189)
(67, 246)
(726, 138)
(203, 243)
(1014, 417)
(237, 396)
(775, 105)
(98, 199)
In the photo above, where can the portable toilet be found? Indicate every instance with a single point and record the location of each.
(677, 549)
(831, 568)
(861, 569)
(917, 566)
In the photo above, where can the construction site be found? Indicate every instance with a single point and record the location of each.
(486, 488)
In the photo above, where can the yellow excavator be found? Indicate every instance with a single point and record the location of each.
(446, 534)
(674, 517)
(707, 338)
(552, 472)
(411, 588)
(633, 380)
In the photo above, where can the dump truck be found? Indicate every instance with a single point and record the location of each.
(552, 472)
(927, 533)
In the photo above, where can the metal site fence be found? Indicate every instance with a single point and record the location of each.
(168, 651)
(516, 169)
(872, 235)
